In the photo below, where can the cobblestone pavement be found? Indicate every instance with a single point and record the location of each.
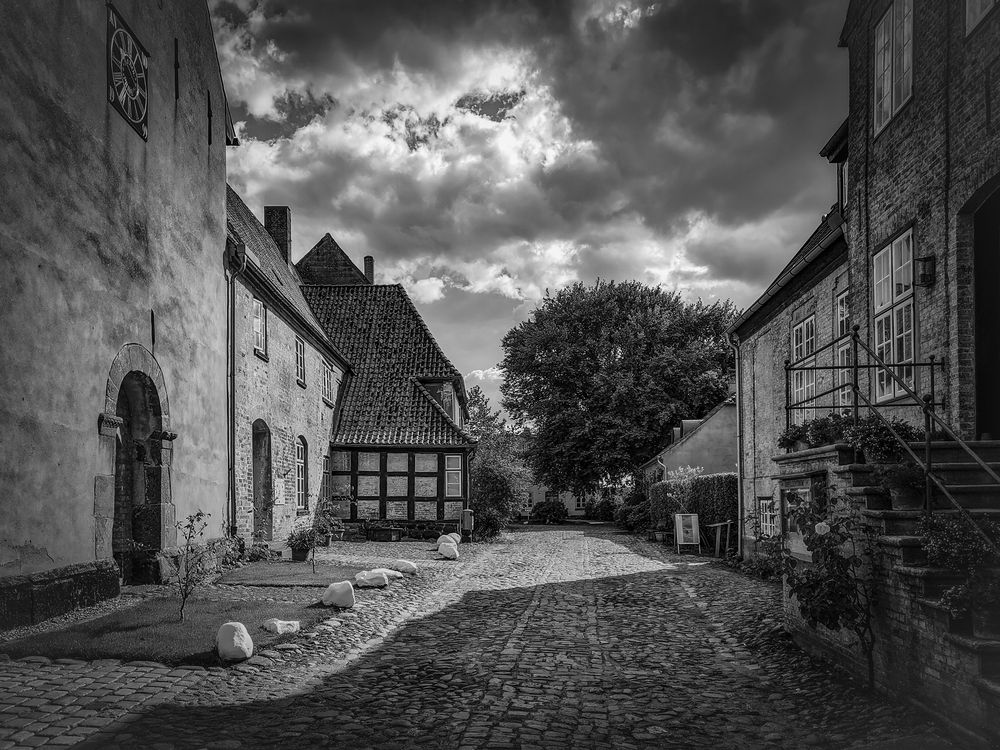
(553, 637)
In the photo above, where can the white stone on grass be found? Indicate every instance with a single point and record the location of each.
(456, 536)
(449, 551)
(443, 539)
(339, 594)
(233, 642)
(388, 572)
(370, 579)
(404, 566)
(280, 627)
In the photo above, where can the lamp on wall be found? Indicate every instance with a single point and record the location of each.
(926, 271)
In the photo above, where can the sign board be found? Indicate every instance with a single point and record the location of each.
(686, 531)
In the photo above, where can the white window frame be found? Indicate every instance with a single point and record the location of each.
(803, 342)
(300, 360)
(301, 474)
(844, 378)
(842, 315)
(768, 519)
(842, 172)
(453, 476)
(894, 314)
(893, 62)
(259, 326)
(976, 11)
(331, 381)
(580, 502)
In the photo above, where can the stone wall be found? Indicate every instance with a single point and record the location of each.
(268, 390)
(108, 240)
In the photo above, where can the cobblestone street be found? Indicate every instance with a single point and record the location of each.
(562, 637)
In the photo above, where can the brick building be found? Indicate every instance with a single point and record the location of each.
(113, 129)
(911, 255)
(398, 448)
(287, 377)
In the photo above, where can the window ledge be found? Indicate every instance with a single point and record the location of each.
(328, 402)
(302, 511)
(301, 383)
(260, 354)
(892, 118)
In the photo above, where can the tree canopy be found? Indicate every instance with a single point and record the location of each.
(499, 474)
(601, 373)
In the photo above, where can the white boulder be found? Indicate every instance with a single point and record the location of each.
(449, 551)
(371, 579)
(275, 625)
(339, 594)
(233, 642)
(443, 539)
(388, 572)
(456, 536)
(405, 566)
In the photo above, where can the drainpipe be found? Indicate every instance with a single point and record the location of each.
(236, 255)
(734, 342)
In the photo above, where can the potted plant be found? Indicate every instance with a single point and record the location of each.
(793, 438)
(661, 532)
(301, 539)
(951, 543)
(905, 484)
(877, 444)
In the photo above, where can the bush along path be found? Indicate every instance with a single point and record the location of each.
(552, 637)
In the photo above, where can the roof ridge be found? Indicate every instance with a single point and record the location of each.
(434, 403)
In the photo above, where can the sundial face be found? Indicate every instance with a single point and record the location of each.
(128, 74)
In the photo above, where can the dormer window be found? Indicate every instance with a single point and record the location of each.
(331, 382)
(975, 11)
(893, 61)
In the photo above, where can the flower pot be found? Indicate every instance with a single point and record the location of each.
(906, 498)
(300, 555)
(986, 622)
(661, 536)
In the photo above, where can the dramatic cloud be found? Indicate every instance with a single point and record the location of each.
(487, 150)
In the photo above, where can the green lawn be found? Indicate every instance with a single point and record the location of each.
(150, 631)
(288, 573)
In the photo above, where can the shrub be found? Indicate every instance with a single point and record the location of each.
(791, 435)
(600, 510)
(550, 511)
(714, 497)
(817, 432)
(633, 513)
(490, 522)
(872, 437)
(671, 496)
(952, 543)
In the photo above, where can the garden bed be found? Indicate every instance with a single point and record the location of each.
(287, 573)
(151, 631)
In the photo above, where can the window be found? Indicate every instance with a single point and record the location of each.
(844, 377)
(893, 309)
(300, 361)
(579, 502)
(893, 61)
(530, 500)
(324, 488)
(452, 476)
(551, 496)
(842, 315)
(301, 475)
(259, 327)
(767, 517)
(803, 381)
(331, 382)
(975, 11)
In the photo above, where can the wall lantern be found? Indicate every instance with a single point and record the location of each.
(925, 271)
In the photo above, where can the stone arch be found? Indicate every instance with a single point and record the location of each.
(134, 427)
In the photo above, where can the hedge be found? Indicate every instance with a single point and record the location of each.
(712, 496)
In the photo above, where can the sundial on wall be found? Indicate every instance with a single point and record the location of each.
(128, 74)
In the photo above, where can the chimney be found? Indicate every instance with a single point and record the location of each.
(278, 223)
(370, 269)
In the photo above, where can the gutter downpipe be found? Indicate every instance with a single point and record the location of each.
(734, 342)
(240, 256)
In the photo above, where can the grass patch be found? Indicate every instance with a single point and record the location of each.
(150, 631)
(287, 573)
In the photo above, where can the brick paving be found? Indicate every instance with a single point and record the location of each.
(553, 637)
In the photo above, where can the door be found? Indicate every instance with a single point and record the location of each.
(263, 495)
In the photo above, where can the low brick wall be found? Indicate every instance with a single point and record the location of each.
(26, 600)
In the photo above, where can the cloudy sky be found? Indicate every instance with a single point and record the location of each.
(487, 150)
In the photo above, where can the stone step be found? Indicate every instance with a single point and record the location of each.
(894, 522)
(909, 549)
(927, 581)
(988, 652)
(964, 472)
(989, 692)
(970, 496)
(947, 451)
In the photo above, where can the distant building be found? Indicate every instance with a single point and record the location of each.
(398, 447)
(113, 324)
(709, 443)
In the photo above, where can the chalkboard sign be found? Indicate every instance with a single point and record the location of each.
(686, 531)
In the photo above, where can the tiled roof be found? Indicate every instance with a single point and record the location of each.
(327, 263)
(243, 226)
(380, 331)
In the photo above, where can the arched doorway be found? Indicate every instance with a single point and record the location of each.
(986, 244)
(139, 479)
(263, 491)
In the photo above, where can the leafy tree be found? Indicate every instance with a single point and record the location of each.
(499, 474)
(603, 372)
